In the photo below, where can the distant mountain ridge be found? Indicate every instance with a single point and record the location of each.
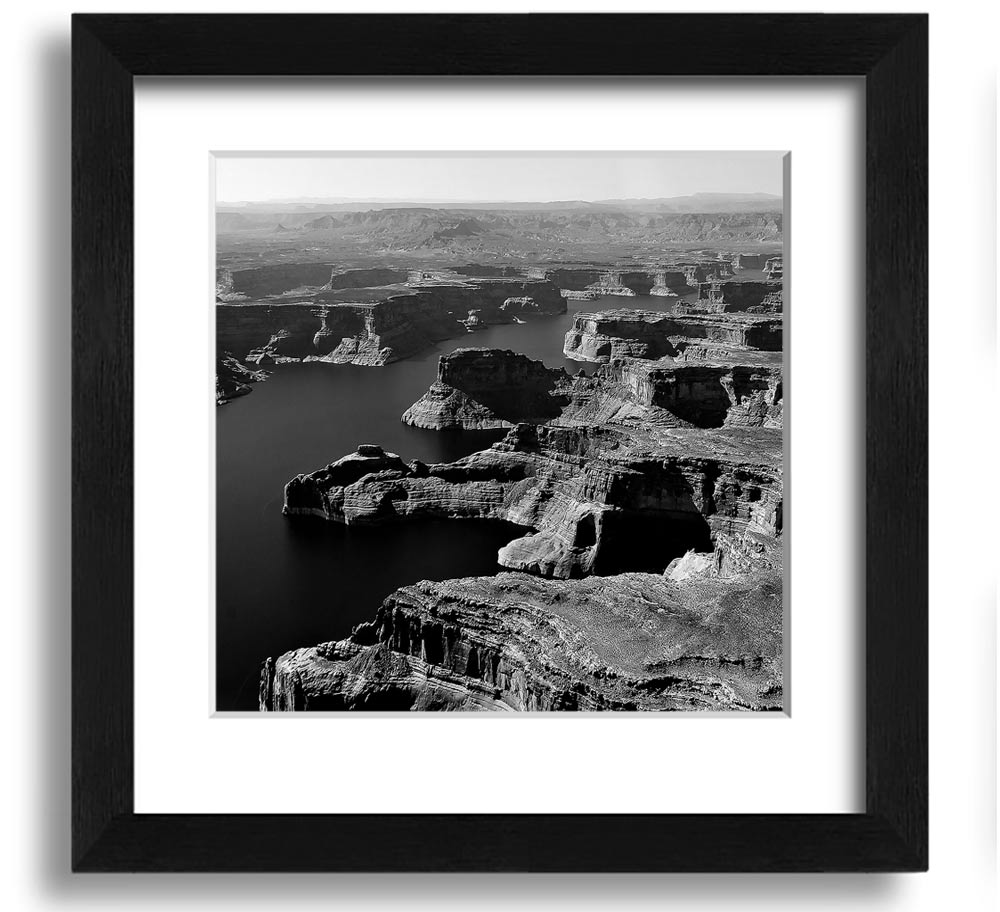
(696, 202)
(560, 231)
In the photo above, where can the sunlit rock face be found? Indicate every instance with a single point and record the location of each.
(700, 393)
(634, 641)
(233, 378)
(773, 268)
(482, 388)
(610, 334)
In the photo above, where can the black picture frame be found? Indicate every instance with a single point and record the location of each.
(889, 51)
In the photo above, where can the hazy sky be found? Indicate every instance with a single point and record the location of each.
(495, 176)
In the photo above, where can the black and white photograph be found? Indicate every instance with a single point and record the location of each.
(500, 432)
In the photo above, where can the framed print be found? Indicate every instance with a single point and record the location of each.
(540, 454)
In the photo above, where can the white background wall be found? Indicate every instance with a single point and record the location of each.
(35, 549)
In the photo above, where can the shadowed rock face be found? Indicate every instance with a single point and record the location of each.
(481, 388)
(737, 297)
(748, 261)
(512, 642)
(284, 278)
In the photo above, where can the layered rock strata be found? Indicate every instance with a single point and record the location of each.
(648, 334)
(696, 273)
(737, 297)
(630, 642)
(394, 325)
(671, 393)
(580, 489)
(587, 283)
(234, 285)
(668, 283)
(479, 389)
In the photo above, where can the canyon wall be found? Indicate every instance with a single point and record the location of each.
(516, 643)
(564, 483)
(612, 334)
(372, 333)
(259, 282)
(484, 388)
(737, 297)
(672, 393)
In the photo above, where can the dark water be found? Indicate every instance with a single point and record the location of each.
(284, 584)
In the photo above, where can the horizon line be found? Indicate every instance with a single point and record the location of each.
(401, 199)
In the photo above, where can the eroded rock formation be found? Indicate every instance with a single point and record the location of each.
(674, 393)
(648, 334)
(588, 494)
(232, 378)
(397, 322)
(649, 494)
(634, 641)
(479, 388)
(737, 297)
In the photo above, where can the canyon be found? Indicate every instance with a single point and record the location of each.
(628, 473)
(371, 317)
(654, 472)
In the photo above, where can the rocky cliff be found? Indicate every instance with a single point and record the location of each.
(668, 283)
(748, 261)
(612, 334)
(594, 499)
(513, 642)
(672, 393)
(232, 378)
(479, 388)
(696, 273)
(773, 268)
(589, 282)
(737, 297)
(397, 322)
(280, 279)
